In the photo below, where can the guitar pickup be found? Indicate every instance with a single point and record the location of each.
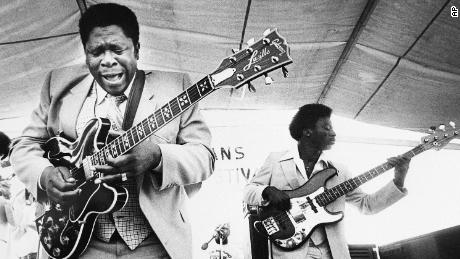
(270, 226)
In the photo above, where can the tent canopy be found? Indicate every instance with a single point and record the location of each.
(392, 63)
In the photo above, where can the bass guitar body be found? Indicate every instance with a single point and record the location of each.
(65, 231)
(289, 230)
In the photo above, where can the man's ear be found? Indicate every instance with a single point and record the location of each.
(136, 50)
(307, 132)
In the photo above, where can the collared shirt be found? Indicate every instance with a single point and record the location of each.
(293, 153)
(101, 105)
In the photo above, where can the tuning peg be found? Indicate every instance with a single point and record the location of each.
(452, 124)
(250, 41)
(285, 71)
(268, 80)
(442, 127)
(235, 50)
(432, 129)
(251, 88)
(267, 31)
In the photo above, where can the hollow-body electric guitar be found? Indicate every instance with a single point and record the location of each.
(289, 230)
(65, 231)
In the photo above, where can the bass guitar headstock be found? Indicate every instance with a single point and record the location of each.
(440, 136)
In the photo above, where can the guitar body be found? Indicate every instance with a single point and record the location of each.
(289, 230)
(65, 231)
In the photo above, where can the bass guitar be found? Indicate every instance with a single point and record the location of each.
(65, 231)
(289, 230)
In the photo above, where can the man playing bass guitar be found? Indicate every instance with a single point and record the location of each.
(312, 129)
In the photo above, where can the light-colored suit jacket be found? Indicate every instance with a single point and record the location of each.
(184, 144)
(280, 171)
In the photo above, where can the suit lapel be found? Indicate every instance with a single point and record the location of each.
(290, 172)
(72, 106)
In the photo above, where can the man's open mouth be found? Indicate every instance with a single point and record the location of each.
(113, 77)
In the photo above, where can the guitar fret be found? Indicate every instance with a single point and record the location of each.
(120, 145)
(175, 108)
(159, 118)
(101, 158)
(184, 100)
(135, 136)
(92, 160)
(113, 149)
(146, 126)
(204, 87)
(126, 141)
(193, 93)
(166, 111)
(140, 131)
(152, 123)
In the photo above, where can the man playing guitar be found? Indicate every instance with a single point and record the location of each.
(312, 129)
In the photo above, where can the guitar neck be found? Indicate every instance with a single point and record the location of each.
(339, 190)
(141, 131)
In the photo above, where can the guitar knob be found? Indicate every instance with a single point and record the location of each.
(285, 72)
(56, 251)
(251, 88)
(442, 127)
(266, 32)
(268, 80)
(275, 59)
(290, 243)
(251, 41)
(266, 41)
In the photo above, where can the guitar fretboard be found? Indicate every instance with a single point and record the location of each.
(339, 190)
(154, 122)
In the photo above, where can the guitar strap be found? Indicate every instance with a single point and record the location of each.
(133, 99)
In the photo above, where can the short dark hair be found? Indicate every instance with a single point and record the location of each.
(103, 15)
(306, 118)
(5, 142)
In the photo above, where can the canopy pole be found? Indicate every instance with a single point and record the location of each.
(248, 8)
(370, 6)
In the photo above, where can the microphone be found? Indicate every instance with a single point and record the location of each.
(221, 232)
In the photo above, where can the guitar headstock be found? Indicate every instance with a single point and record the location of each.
(440, 136)
(267, 54)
